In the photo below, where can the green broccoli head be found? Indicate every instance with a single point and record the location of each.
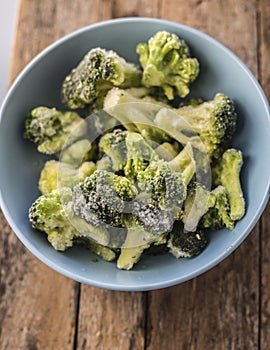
(184, 244)
(214, 121)
(101, 198)
(167, 63)
(218, 216)
(48, 214)
(163, 185)
(227, 173)
(98, 72)
(52, 129)
(114, 145)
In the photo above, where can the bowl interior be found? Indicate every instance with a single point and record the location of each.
(40, 83)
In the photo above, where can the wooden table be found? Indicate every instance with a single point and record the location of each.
(228, 307)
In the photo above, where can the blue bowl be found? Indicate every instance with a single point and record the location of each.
(40, 83)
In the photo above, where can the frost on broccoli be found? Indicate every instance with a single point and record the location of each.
(51, 129)
(98, 72)
(184, 244)
(161, 198)
(52, 214)
(101, 198)
(227, 173)
(167, 64)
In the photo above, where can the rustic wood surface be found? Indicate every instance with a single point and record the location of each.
(227, 308)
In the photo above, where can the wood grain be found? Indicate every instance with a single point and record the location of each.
(264, 75)
(227, 308)
(37, 304)
(218, 310)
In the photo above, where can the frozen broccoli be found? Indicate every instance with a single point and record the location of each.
(98, 72)
(167, 63)
(57, 174)
(47, 214)
(163, 184)
(114, 145)
(218, 216)
(199, 200)
(183, 244)
(162, 192)
(101, 198)
(52, 213)
(227, 173)
(139, 154)
(52, 130)
(213, 121)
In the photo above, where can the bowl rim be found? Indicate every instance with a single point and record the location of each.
(170, 281)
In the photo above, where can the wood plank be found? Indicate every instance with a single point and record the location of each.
(37, 306)
(264, 75)
(218, 310)
(107, 319)
(111, 320)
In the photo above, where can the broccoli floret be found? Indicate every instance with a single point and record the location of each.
(100, 198)
(199, 200)
(139, 154)
(52, 130)
(47, 214)
(136, 113)
(159, 203)
(219, 215)
(163, 185)
(98, 72)
(227, 174)
(153, 218)
(183, 244)
(57, 174)
(167, 63)
(114, 145)
(214, 121)
(52, 213)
